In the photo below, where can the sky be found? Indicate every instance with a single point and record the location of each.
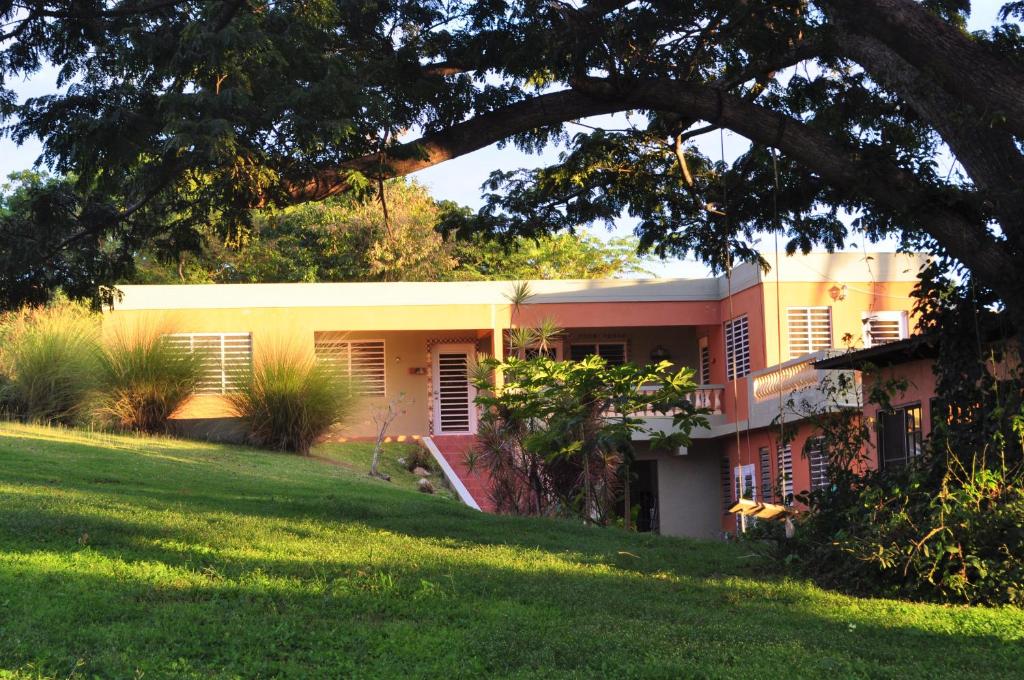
(460, 179)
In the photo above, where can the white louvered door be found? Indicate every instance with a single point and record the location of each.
(454, 410)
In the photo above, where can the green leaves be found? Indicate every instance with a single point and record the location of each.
(556, 434)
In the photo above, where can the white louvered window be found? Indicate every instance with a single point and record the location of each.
(612, 352)
(818, 462)
(361, 361)
(737, 348)
(226, 358)
(784, 464)
(810, 329)
(883, 327)
(705, 361)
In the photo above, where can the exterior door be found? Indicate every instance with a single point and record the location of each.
(454, 410)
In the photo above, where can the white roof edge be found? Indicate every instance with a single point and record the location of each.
(838, 267)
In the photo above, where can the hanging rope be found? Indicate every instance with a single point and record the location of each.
(778, 311)
(727, 257)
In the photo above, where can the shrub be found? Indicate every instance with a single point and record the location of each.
(48, 359)
(289, 401)
(143, 381)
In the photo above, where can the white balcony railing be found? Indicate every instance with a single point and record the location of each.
(705, 396)
(797, 380)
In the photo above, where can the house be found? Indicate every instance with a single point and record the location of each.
(898, 431)
(752, 338)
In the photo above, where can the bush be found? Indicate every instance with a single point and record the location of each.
(48, 362)
(143, 381)
(289, 401)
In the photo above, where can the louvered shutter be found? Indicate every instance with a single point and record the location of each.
(810, 329)
(737, 348)
(225, 358)
(818, 462)
(361, 361)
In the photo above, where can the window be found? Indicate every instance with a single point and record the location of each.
(361, 361)
(784, 459)
(818, 462)
(705, 361)
(612, 352)
(743, 478)
(899, 435)
(883, 327)
(737, 348)
(226, 357)
(764, 458)
(810, 329)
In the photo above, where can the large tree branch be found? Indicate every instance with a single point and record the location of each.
(458, 140)
(988, 154)
(958, 228)
(970, 71)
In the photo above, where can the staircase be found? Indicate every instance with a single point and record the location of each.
(450, 451)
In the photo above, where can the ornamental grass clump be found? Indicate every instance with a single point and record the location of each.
(289, 401)
(48, 362)
(143, 380)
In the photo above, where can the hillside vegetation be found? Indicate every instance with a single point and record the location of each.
(151, 557)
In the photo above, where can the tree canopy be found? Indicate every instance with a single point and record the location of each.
(402, 238)
(181, 113)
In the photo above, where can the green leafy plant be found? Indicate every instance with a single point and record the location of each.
(949, 525)
(289, 401)
(556, 436)
(143, 380)
(48, 359)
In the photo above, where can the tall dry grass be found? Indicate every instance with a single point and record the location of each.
(290, 401)
(49, 361)
(143, 380)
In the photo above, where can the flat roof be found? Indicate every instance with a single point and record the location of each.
(816, 267)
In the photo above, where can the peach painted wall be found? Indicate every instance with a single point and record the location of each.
(588, 314)
(861, 297)
(748, 453)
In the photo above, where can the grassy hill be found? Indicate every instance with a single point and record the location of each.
(144, 557)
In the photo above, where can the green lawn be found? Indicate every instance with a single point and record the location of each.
(123, 557)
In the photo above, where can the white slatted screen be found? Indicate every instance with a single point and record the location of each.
(737, 348)
(361, 361)
(810, 329)
(226, 358)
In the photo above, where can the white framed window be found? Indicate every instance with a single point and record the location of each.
(743, 482)
(784, 459)
(818, 463)
(612, 352)
(704, 350)
(737, 348)
(810, 329)
(883, 327)
(361, 361)
(226, 358)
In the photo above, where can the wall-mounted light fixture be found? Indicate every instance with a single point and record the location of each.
(838, 293)
(659, 354)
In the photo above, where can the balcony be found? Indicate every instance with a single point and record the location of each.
(797, 388)
(707, 397)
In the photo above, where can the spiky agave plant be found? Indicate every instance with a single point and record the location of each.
(289, 401)
(48, 359)
(144, 379)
